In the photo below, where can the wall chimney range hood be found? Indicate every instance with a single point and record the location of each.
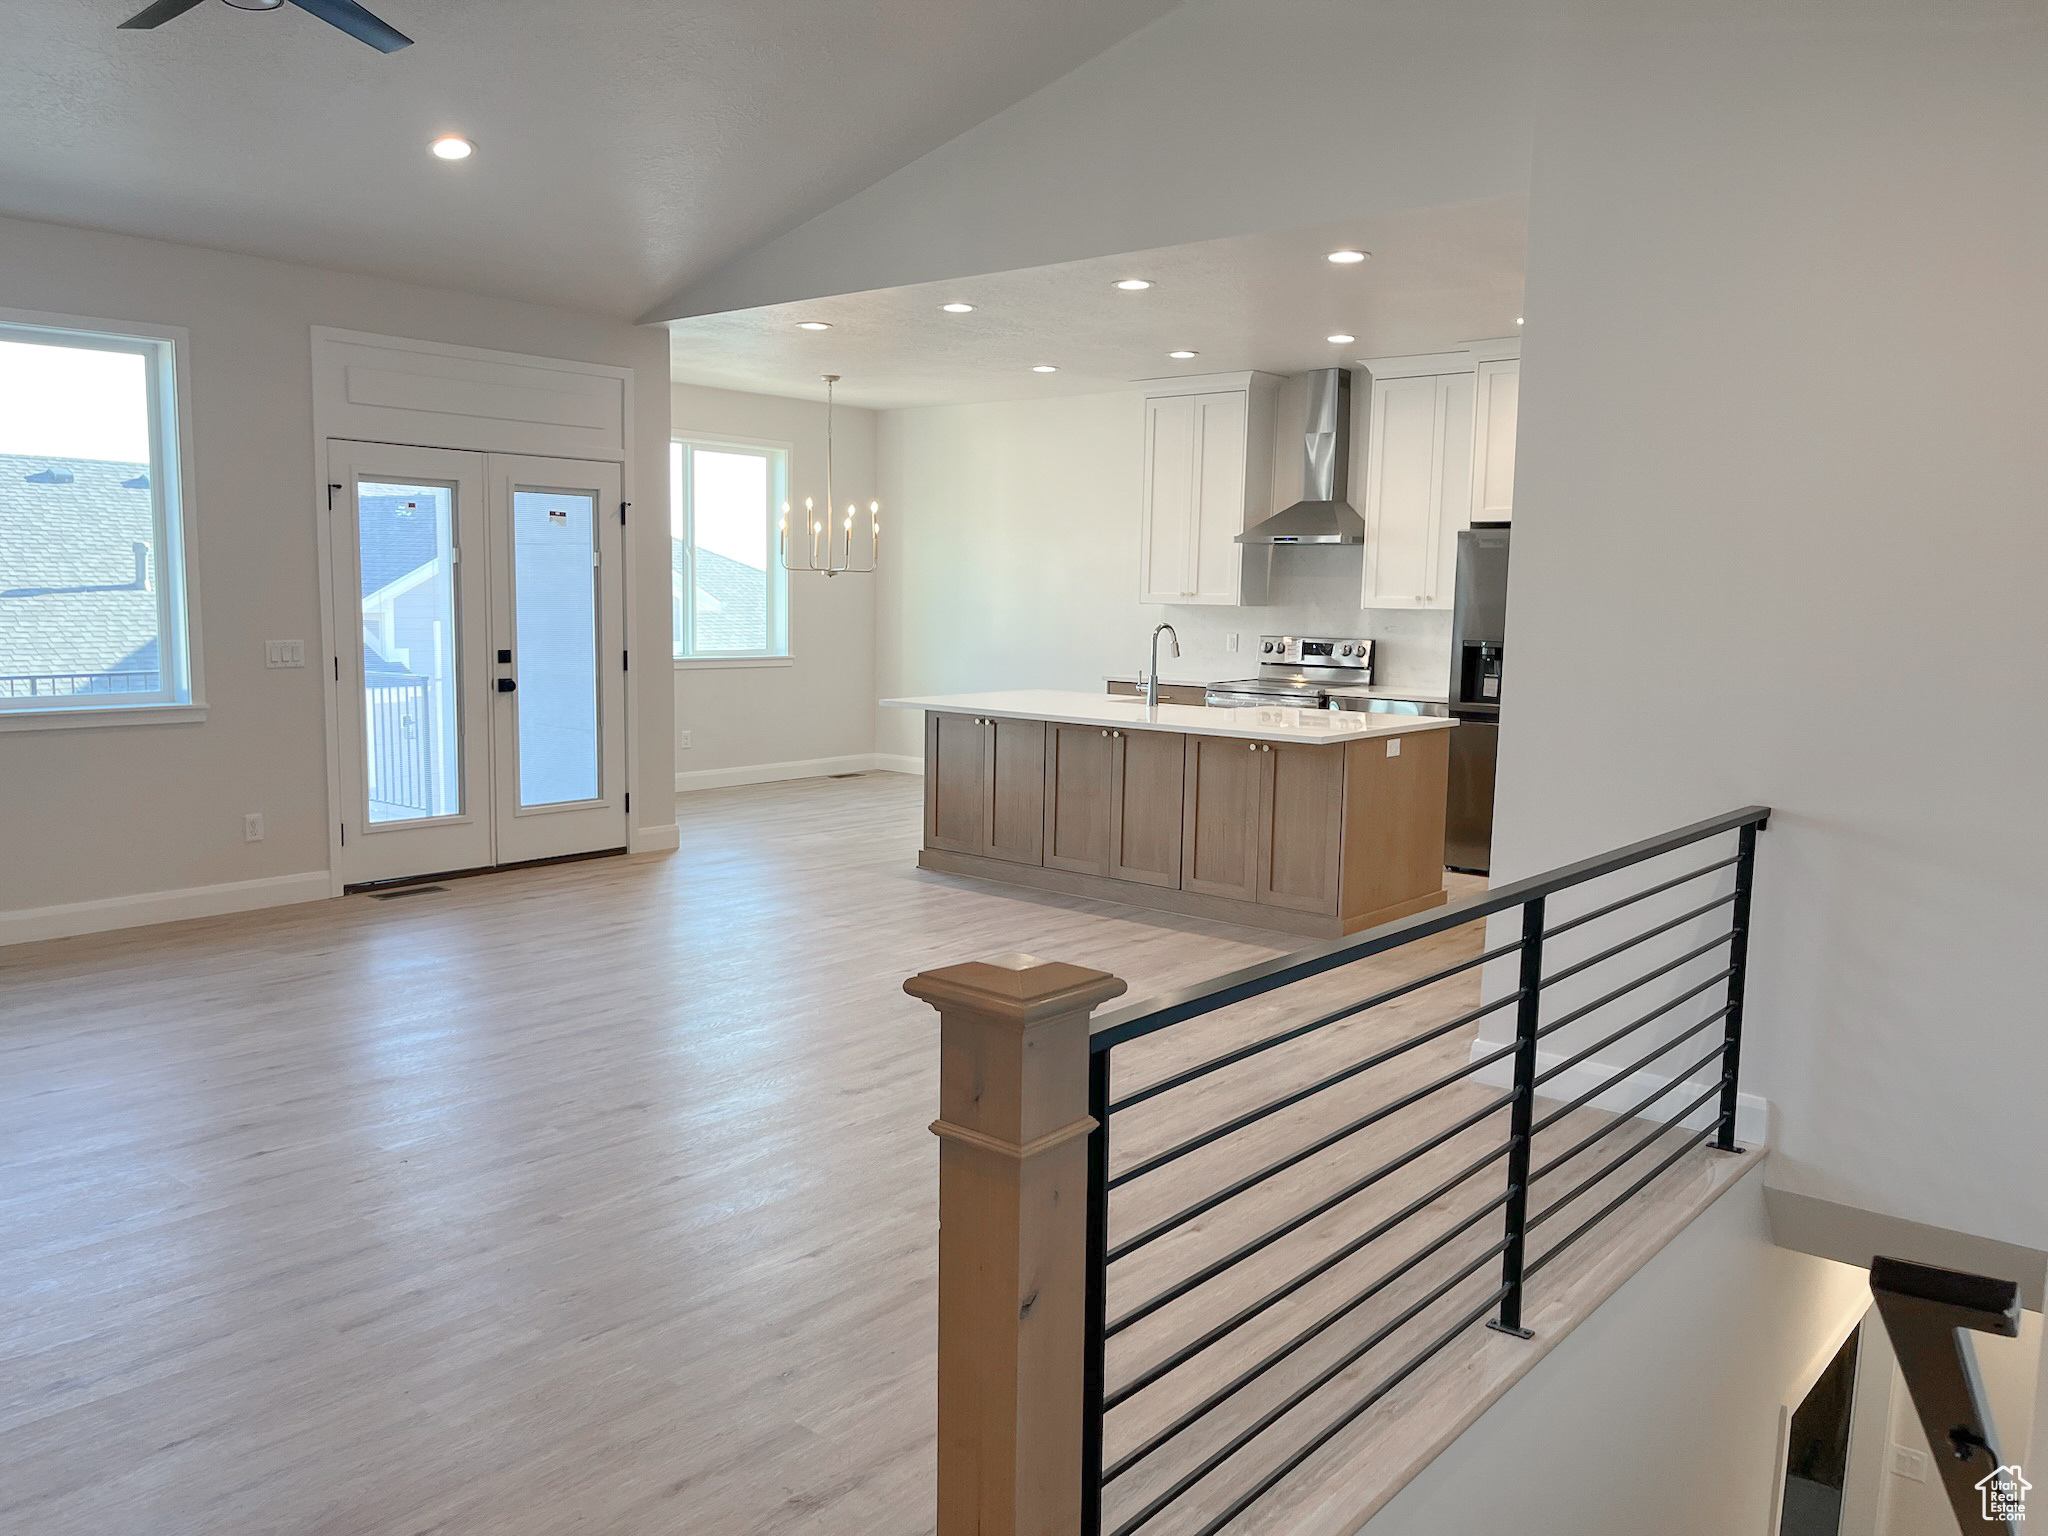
(1322, 516)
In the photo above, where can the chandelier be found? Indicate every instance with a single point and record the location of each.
(826, 542)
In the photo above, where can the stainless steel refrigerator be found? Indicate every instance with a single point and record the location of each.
(1478, 632)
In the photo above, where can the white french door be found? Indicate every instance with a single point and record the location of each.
(480, 658)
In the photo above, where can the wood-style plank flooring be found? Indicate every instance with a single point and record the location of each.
(593, 1198)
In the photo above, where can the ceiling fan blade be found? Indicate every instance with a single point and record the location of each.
(354, 20)
(156, 15)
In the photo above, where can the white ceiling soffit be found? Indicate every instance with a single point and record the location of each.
(1437, 277)
(624, 147)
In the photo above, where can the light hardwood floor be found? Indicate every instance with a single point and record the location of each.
(593, 1198)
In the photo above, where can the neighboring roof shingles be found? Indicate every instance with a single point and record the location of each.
(740, 620)
(69, 601)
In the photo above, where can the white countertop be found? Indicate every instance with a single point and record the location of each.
(1260, 723)
(1370, 690)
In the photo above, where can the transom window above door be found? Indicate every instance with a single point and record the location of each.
(94, 611)
(730, 593)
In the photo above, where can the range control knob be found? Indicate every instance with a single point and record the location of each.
(1344, 650)
(1267, 647)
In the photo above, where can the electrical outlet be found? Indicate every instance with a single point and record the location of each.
(284, 653)
(1394, 747)
(1907, 1462)
(1230, 642)
(683, 740)
(252, 827)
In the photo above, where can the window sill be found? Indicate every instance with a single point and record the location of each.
(719, 663)
(82, 718)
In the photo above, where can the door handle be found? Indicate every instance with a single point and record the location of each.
(507, 684)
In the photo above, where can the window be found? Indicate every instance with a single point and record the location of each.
(730, 591)
(92, 591)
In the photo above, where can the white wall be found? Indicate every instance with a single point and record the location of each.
(92, 814)
(819, 709)
(1673, 1388)
(1782, 390)
(1017, 564)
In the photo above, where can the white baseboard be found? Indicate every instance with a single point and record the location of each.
(31, 923)
(654, 839)
(776, 773)
(889, 762)
(1755, 1118)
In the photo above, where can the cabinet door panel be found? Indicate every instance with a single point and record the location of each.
(1170, 433)
(1220, 821)
(1493, 446)
(1219, 495)
(1016, 791)
(955, 784)
(1301, 827)
(1403, 486)
(1077, 792)
(1146, 807)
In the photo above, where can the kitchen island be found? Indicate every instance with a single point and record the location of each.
(1316, 822)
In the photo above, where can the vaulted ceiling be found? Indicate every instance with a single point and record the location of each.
(624, 147)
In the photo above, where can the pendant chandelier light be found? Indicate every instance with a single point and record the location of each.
(826, 542)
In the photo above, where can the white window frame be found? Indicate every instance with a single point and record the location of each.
(686, 654)
(182, 697)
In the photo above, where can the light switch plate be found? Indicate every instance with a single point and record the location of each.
(683, 740)
(284, 653)
(252, 827)
(1907, 1462)
(1230, 642)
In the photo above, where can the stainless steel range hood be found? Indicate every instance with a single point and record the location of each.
(1322, 516)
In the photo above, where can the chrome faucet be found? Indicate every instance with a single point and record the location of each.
(1152, 678)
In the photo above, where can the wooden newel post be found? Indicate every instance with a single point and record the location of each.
(1013, 1166)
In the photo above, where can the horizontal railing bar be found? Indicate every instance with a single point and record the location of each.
(1246, 1377)
(1608, 1168)
(1289, 1100)
(1627, 1194)
(1643, 895)
(1624, 1074)
(1154, 1013)
(1231, 1058)
(1330, 1431)
(1629, 986)
(1641, 938)
(1395, 1107)
(1628, 1029)
(1321, 1267)
(1620, 1122)
(1301, 1395)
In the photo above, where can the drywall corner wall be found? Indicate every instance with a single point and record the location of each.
(1660, 1411)
(90, 816)
(1759, 430)
(817, 712)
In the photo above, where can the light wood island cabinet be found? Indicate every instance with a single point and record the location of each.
(1320, 838)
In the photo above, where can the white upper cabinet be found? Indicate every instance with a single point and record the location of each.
(1208, 466)
(1497, 398)
(1432, 452)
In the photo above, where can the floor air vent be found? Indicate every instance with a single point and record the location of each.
(407, 890)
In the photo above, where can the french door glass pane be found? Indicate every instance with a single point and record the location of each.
(554, 605)
(412, 750)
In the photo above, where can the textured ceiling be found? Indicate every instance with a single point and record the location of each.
(625, 147)
(1437, 277)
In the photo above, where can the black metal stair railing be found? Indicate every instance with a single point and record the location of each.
(1495, 1180)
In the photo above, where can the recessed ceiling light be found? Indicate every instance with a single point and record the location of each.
(958, 309)
(813, 325)
(1349, 258)
(1518, 319)
(1183, 354)
(1044, 368)
(452, 146)
(1340, 340)
(1134, 284)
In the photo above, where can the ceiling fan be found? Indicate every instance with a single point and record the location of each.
(345, 14)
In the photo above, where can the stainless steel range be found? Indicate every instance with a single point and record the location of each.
(1299, 672)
